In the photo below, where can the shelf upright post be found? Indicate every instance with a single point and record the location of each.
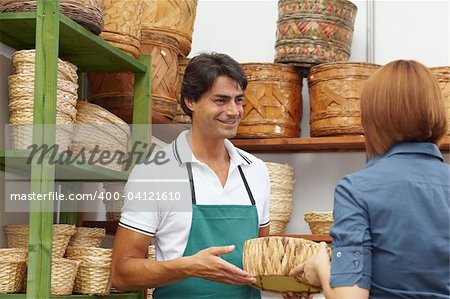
(43, 174)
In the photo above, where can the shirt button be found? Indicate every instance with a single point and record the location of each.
(356, 253)
(338, 254)
(356, 263)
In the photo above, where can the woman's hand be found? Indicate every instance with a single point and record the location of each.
(309, 271)
(292, 295)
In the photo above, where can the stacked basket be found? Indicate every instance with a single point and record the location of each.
(151, 256)
(100, 131)
(319, 222)
(21, 100)
(442, 74)
(87, 237)
(180, 116)
(281, 186)
(13, 265)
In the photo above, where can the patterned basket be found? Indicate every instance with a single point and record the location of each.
(93, 276)
(17, 236)
(319, 222)
(180, 116)
(270, 259)
(12, 274)
(281, 186)
(113, 208)
(311, 32)
(442, 74)
(87, 237)
(98, 128)
(88, 13)
(173, 18)
(123, 24)
(273, 101)
(335, 93)
(63, 276)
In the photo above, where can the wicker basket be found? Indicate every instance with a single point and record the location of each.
(270, 260)
(88, 13)
(123, 24)
(180, 116)
(281, 186)
(17, 236)
(114, 91)
(63, 276)
(273, 101)
(12, 274)
(87, 237)
(173, 18)
(97, 127)
(319, 222)
(335, 93)
(93, 276)
(311, 32)
(113, 208)
(16, 253)
(442, 74)
(151, 256)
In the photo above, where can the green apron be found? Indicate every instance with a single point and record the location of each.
(216, 225)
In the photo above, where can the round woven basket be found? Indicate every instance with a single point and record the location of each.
(17, 236)
(319, 222)
(123, 24)
(173, 18)
(281, 186)
(16, 253)
(270, 260)
(12, 274)
(93, 276)
(273, 101)
(180, 116)
(113, 208)
(335, 93)
(442, 74)
(87, 237)
(311, 32)
(88, 13)
(98, 128)
(63, 276)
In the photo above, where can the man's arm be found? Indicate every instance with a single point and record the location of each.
(131, 271)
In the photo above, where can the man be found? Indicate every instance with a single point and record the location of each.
(198, 245)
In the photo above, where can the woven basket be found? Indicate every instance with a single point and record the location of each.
(17, 236)
(87, 237)
(310, 32)
(97, 127)
(123, 24)
(335, 93)
(15, 253)
(173, 18)
(113, 207)
(63, 276)
(281, 186)
(88, 13)
(114, 91)
(319, 222)
(12, 274)
(273, 101)
(442, 74)
(180, 116)
(151, 256)
(270, 259)
(93, 276)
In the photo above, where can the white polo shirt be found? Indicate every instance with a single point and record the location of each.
(169, 222)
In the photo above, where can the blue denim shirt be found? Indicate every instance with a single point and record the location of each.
(391, 231)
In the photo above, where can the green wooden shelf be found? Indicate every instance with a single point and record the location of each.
(110, 296)
(76, 44)
(16, 162)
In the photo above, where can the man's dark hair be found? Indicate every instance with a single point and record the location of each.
(201, 73)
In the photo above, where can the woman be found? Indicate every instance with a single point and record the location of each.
(391, 236)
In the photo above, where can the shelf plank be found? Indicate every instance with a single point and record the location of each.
(165, 129)
(77, 45)
(17, 162)
(309, 145)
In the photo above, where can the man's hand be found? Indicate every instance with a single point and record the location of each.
(208, 264)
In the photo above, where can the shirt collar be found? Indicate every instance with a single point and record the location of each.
(426, 148)
(183, 152)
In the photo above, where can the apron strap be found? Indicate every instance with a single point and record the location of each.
(249, 192)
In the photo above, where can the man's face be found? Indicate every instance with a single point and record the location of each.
(218, 112)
